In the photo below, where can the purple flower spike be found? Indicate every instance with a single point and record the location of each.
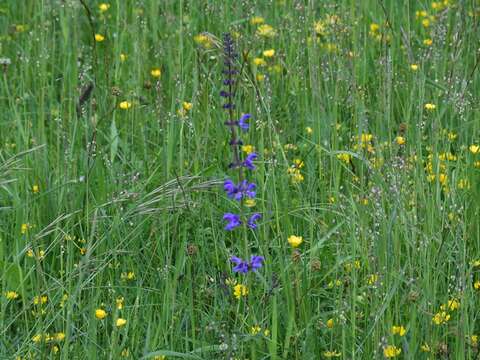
(233, 221)
(244, 189)
(242, 123)
(251, 222)
(256, 262)
(241, 266)
(248, 163)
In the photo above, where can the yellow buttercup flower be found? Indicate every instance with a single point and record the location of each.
(441, 318)
(248, 149)
(156, 72)
(259, 62)
(391, 351)
(100, 314)
(430, 107)
(257, 20)
(400, 140)
(309, 130)
(398, 330)
(125, 105)
(11, 295)
(35, 189)
(103, 7)
(414, 67)
(269, 53)
(120, 322)
(428, 42)
(123, 57)
(254, 330)
(330, 323)
(266, 30)
(187, 106)
(99, 37)
(474, 149)
(295, 241)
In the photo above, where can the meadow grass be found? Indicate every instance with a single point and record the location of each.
(113, 153)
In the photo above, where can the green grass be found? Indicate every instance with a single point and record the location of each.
(391, 232)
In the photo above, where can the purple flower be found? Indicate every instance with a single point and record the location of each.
(233, 221)
(251, 222)
(256, 262)
(244, 189)
(241, 266)
(248, 162)
(242, 122)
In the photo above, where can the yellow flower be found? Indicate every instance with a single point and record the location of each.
(125, 105)
(398, 330)
(414, 67)
(474, 149)
(248, 149)
(156, 72)
(295, 241)
(240, 290)
(400, 140)
(259, 62)
(426, 23)
(453, 304)
(37, 338)
(344, 157)
(11, 295)
(119, 302)
(123, 57)
(441, 318)
(266, 30)
(330, 323)
(425, 348)
(260, 77)
(257, 20)
(120, 322)
(187, 106)
(203, 40)
(430, 107)
(269, 53)
(60, 336)
(428, 42)
(125, 352)
(24, 228)
(372, 279)
(40, 299)
(474, 340)
(391, 351)
(374, 27)
(463, 184)
(420, 13)
(249, 202)
(128, 275)
(320, 27)
(254, 330)
(331, 354)
(103, 7)
(100, 314)
(309, 130)
(451, 136)
(35, 189)
(476, 286)
(99, 37)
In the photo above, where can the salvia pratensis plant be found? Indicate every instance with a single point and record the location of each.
(242, 189)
